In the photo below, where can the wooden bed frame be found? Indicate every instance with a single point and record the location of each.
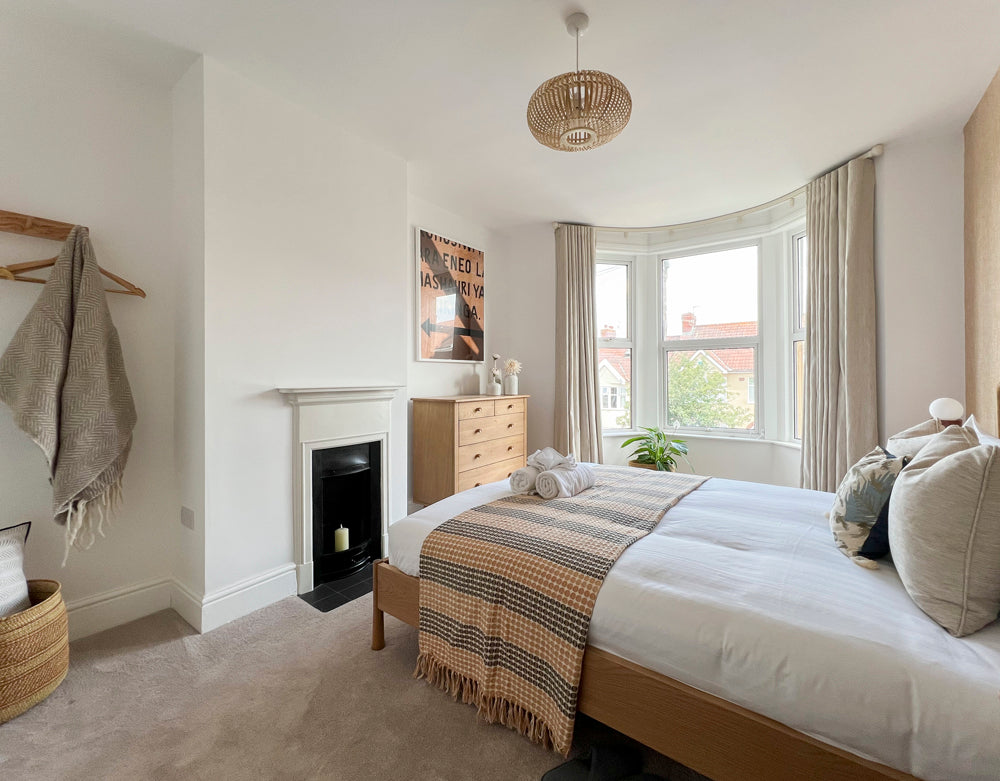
(707, 734)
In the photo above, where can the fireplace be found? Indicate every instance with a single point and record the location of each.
(346, 509)
(332, 418)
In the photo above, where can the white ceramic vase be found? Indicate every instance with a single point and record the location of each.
(493, 389)
(510, 385)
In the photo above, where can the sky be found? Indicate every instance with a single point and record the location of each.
(718, 287)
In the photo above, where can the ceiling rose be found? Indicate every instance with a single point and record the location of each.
(581, 109)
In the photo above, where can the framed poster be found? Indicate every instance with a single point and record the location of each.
(451, 299)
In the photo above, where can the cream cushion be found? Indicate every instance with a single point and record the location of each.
(944, 530)
(13, 586)
(984, 438)
(906, 444)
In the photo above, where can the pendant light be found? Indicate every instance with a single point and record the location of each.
(579, 110)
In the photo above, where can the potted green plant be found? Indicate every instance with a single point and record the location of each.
(656, 451)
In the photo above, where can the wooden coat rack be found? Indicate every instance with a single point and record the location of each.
(39, 227)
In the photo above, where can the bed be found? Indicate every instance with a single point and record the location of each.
(737, 640)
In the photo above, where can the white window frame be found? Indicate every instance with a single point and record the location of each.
(694, 345)
(616, 259)
(796, 333)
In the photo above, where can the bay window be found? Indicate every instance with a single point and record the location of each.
(701, 327)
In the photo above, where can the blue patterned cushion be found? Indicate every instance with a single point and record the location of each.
(13, 586)
(860, 498)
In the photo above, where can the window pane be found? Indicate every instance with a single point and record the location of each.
(802, 271)
(611, 292)
(710, 296)
(709, 388)
(615, 370)
(799, 354)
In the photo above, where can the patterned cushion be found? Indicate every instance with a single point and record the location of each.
(13, 586)
(860, 497)
(906, 444)
(944, 529)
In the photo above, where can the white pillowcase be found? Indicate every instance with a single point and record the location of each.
(906, 444)
(13, 586)
(984, 438)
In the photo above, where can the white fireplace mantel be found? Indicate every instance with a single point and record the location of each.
(327, 417)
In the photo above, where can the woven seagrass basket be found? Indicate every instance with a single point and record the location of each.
(34, 650)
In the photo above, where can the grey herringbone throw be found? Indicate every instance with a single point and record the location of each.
(64, 378)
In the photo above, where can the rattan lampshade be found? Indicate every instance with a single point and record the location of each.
(581, 109)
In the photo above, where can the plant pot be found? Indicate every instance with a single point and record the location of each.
(639, 465)
(493, 389)
(510, 385)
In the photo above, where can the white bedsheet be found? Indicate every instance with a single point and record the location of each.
(741, 592)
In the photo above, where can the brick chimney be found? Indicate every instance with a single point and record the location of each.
(608, 332)
(688, 321)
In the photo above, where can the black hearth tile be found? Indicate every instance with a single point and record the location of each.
(327, 589)
(327, 604)
(314, 596)
(361, 576)
(357, 590)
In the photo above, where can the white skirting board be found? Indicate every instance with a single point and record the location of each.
(119, 606)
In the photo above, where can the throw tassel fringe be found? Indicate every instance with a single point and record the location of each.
(85, 519)
(493, 708)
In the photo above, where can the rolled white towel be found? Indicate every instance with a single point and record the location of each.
(550, 458)
(564, 482)
(523, 480)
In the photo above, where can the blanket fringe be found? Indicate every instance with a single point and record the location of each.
(85, 519)
(493, 708)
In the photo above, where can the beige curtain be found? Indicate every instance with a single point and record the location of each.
(578, 412)
(840, 405)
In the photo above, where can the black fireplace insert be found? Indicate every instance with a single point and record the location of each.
(347, 509)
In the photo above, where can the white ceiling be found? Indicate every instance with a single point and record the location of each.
(735, 102)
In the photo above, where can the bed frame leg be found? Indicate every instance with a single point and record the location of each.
(378, 617)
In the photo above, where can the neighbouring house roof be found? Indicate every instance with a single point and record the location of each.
(618, 360)
(718, 331)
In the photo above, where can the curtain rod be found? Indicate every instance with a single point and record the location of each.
(875, 151)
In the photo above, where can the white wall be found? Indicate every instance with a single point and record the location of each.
(305, 258)
(85, 139)
(524, 299)
(189, 378)
(919, 276)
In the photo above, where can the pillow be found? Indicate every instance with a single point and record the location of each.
(877, 544)
(13, 586)
(984, 438)
(860, 497)
(906, 444)
(944, 530)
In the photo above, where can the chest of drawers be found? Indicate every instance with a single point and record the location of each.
(460, 442)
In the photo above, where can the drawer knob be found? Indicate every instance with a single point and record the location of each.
(476, 456)
(479, 484)
(509, 448)
(509, 474)
(510, 406)
(478, 431)
(478, 409)
(510, 425)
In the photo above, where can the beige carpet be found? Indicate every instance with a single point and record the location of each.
(285, 693)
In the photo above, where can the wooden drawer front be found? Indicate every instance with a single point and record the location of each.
(473, 456)
(475, 430)
(489, 474)
(475, 409)
(509, 406)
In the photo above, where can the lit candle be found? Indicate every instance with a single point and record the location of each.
(341, 539)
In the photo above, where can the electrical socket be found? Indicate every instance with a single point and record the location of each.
(187, 517)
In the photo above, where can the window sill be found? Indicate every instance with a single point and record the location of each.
(621, 434)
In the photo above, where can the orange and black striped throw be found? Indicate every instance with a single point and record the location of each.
(507, 590)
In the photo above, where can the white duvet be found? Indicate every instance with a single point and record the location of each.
(741, 592)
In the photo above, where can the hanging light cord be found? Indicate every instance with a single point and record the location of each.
(577, 49)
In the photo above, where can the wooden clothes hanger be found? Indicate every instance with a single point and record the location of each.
(39, 227)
